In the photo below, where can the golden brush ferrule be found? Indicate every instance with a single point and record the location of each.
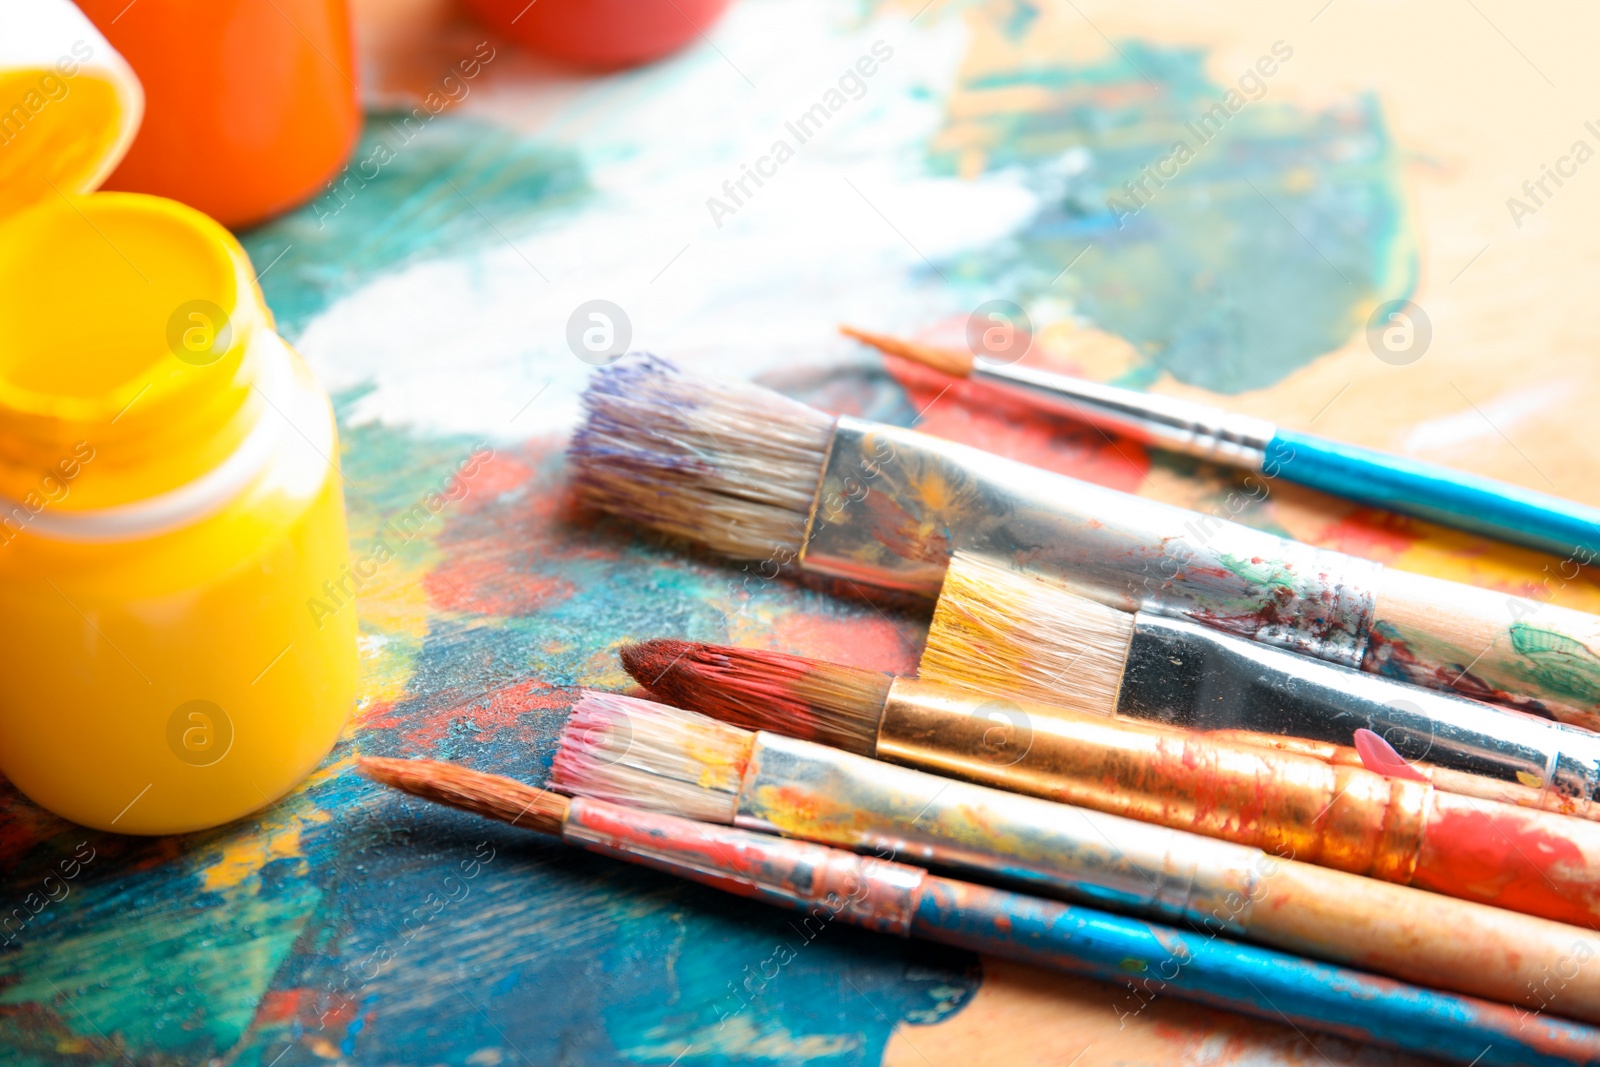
(893, 505)
(1166, 422)
(1292, 806)
(810, 791)
(1189, 675)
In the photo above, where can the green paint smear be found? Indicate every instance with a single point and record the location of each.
(1265, 573)
(1266, 250)
(158, 977)
(1560, 663)
(408, 194)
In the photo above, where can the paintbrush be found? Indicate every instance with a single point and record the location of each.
(757, 476)
(1008, 632)
(642, 754)
(1341, 817)
(1412, 487)
(896, 898)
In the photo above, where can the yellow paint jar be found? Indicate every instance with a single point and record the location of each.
(170, 499)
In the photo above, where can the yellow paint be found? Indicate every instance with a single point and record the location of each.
(171, 677)
(235, 860)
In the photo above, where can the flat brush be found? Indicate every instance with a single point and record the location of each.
(1380, 479)
(1336, 816)
(895, 898)
(760, 477)
(1004, 631)
(643, 754)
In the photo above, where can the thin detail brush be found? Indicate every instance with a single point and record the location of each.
(1380, 479)
(899, 899)
(1338, 816)
(760, 477)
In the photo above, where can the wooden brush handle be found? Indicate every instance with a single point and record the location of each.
(1528, 861)
(1426, 938)
(1489, 645)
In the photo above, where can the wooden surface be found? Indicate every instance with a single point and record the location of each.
(432, 294)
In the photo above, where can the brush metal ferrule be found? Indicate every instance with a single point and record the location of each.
(827, 883)
(811, 791)
(1191, 676)
(1294, 807)
(893, 504)
(1176, 425)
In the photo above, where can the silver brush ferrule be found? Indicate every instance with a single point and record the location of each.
(1188, 675)
(894, 504)
(1166, 422)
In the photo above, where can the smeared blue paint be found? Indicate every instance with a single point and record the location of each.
(456, 184)
(1266, 250)
(1249, 979)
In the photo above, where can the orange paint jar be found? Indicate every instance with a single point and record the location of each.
(250, 105)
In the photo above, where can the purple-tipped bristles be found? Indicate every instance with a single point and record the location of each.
(728, 464)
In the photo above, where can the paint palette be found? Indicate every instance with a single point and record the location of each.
(443, 293)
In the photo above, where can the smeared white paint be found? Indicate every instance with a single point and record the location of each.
(463, 344)
(1504, 412)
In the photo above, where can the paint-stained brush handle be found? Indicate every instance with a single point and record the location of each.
(1439, 494)
(1147, 959)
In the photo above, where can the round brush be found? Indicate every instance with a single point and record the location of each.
(636, 752)
(1333, 815)
(825, 884)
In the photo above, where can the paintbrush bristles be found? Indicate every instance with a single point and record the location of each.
(951, 361)
(647, 755)
(760, 690)
(996, 630)
(491, 795)
(731, 465)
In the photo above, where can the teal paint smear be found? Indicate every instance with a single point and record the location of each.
(455, 185)
(150, 973)
(1266, 250)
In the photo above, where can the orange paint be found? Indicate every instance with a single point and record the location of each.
(1514, 858)
(250, 105)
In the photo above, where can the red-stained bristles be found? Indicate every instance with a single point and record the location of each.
(647, 755)
(804, 698)
(491, 795)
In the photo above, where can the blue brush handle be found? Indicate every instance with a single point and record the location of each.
(1438, 494)
(1147, 961)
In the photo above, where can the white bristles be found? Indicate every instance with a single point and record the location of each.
(651, 756)
(1010, 633)
(731, 465)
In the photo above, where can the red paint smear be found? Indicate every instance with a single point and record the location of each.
(488, 713)
(1372, 534)
(874, 642)
(495, 476)
(1514, 858)
(489, 562)
(485, 584)
(281, 1005)
(983, 417)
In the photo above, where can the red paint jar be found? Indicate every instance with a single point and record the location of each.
(250, 105)
(601, 33)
